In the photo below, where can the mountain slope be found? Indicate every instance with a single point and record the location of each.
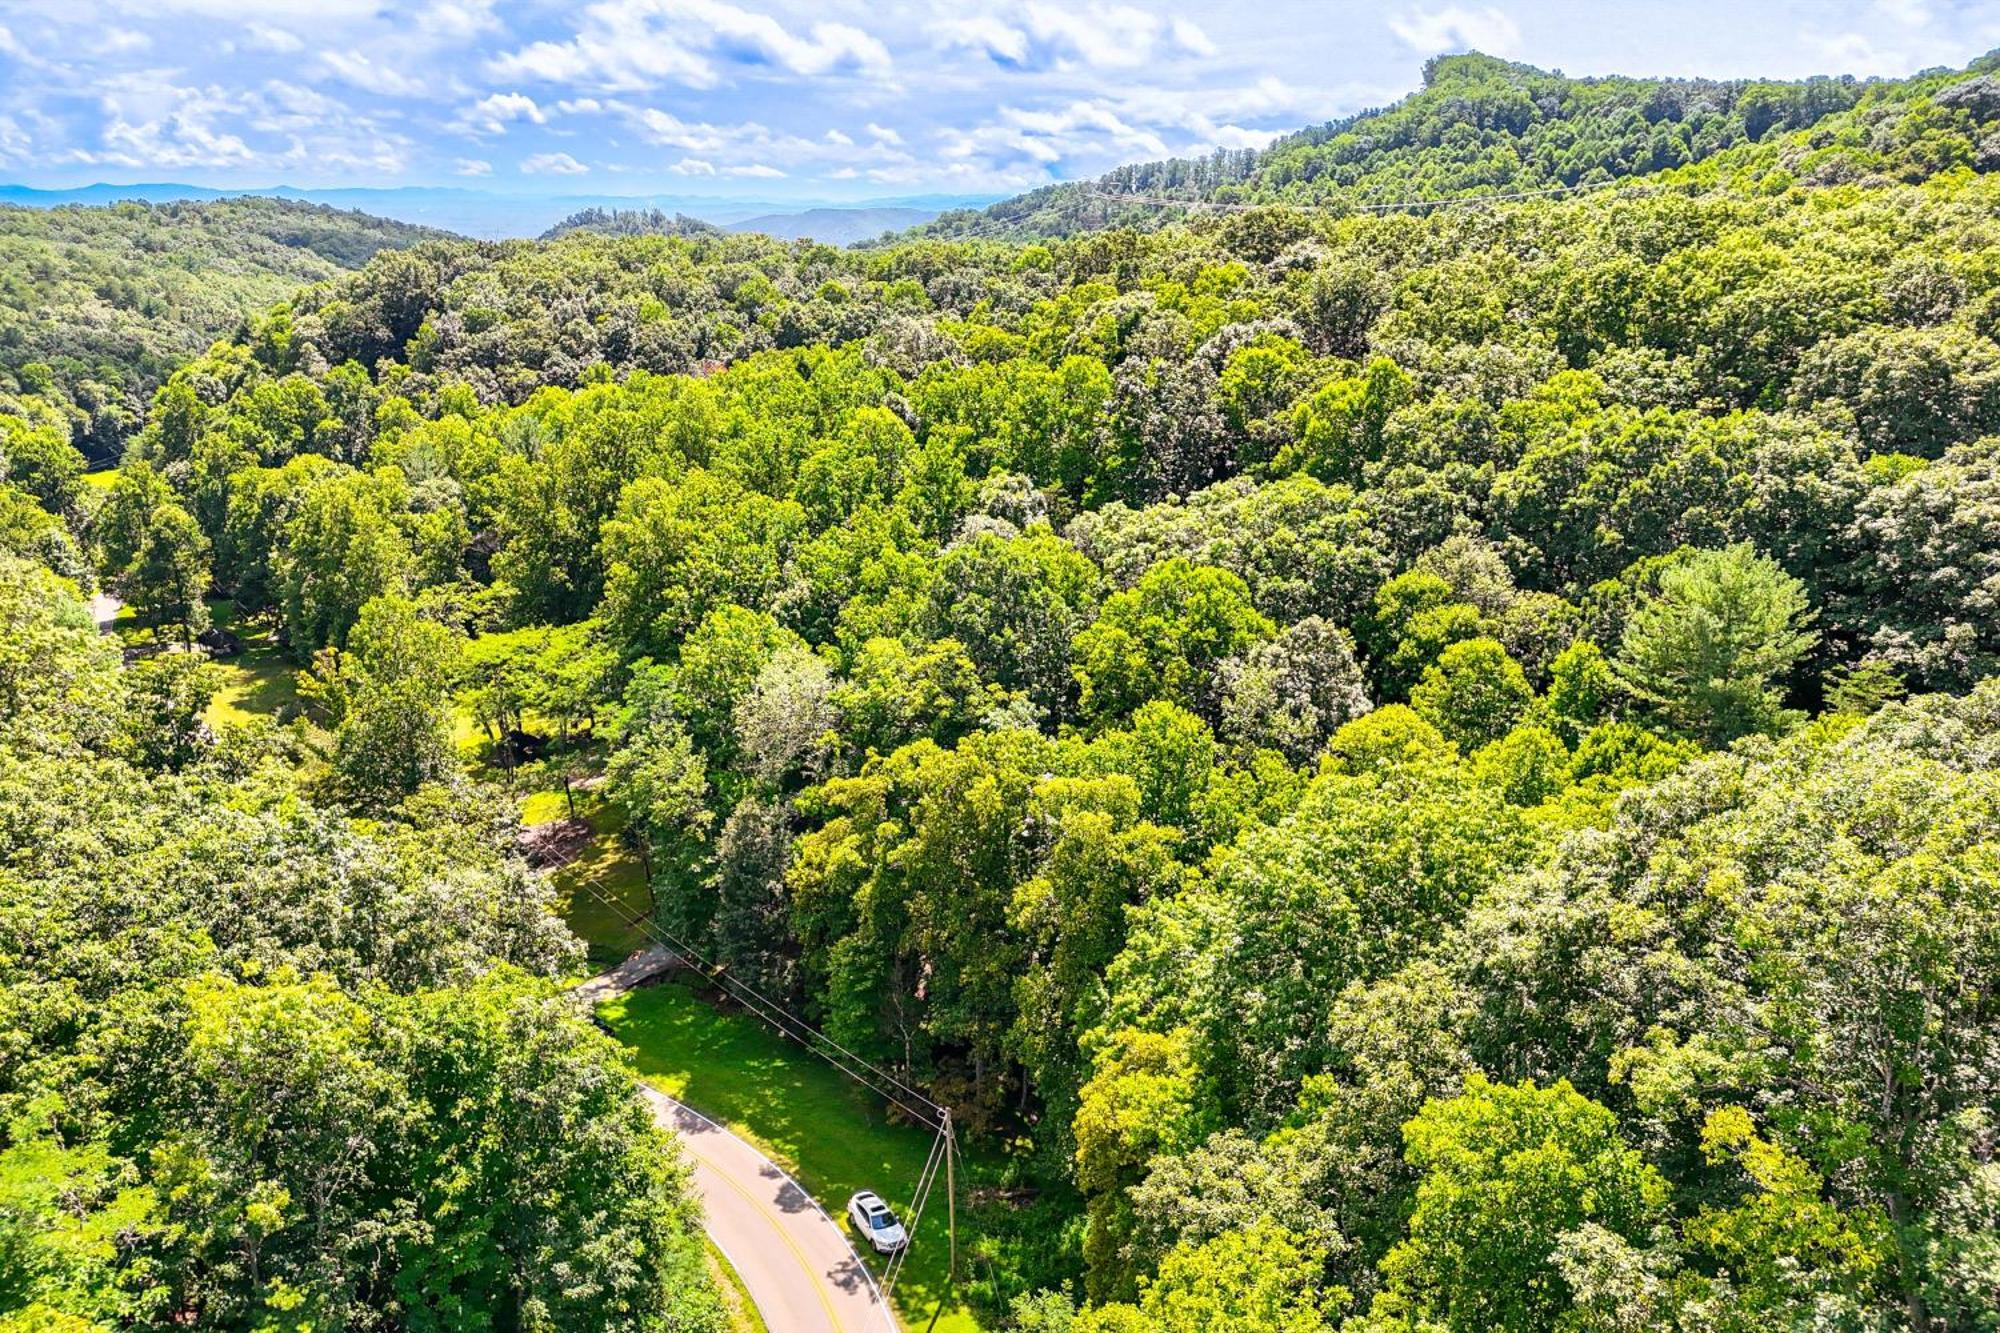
(629, 222)
(832, 226)
(100, 304)
(1483, 127)
(835, 226)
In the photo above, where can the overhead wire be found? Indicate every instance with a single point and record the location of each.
(878, 1080)
(918, 1197)
(790, 1025)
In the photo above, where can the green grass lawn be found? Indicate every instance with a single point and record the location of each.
(832, 1135)
(260, 681)
(253, 686)
(103, 479)
(606, 869)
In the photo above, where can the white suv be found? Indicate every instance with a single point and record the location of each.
(872, 1218)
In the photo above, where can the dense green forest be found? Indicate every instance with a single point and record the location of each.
(98, 305)
(630, 222)
(269, 1066)
(1482, 127)
(1404, 770)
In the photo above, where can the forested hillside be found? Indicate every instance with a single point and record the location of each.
(1482, 127)
(1399, 771)
(630, 222)
(97, 305)
(267, 1066)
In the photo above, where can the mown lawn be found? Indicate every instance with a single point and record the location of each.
(832, 1135)
(604, 888)
(260, 681)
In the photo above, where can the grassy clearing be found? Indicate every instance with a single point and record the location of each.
(260, 681)
(605, 869)
(103, 479)
(830, 1134)
(256, 683)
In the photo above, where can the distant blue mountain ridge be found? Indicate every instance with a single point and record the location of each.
(492, 215)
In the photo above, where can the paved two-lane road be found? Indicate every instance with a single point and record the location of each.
(794, 1260)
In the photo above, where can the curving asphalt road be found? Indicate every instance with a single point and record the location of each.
(795, 1261)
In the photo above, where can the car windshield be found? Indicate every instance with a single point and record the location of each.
(881, 1219)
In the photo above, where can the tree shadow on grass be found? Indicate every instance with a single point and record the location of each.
(832, 1135)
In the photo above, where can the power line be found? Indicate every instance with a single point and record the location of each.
(943, 1147)
(918, 1197)
(787, 1023)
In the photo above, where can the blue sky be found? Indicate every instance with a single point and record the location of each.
(770, 99)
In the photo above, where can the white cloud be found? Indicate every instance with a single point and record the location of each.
(318, 11)
(472, 166)
(1857, 53)
(491, 115)
(755, 169)
(1909, 13)
(741, 148)
(1036, 33)
(371, 75)
(1189, 37)
(148, 121)
(13, 47)
(670, 131)
(1120, 37)
(1023, 145)
(449, 22)
(984, 32)
(630, 60)
(631, 45)
(14, 141)
(552, 164)
(264, 37)
(181, 141)
(1048, 137)
(884, 134)
(1429, 32)
(282, 107)
(122, 41)
(831, 45)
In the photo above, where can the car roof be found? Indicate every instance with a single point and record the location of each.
(868, 1196)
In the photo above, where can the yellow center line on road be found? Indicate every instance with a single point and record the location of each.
(819, 1288)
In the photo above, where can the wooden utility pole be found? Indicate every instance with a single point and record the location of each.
(950, 1195)
(950, 1219)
